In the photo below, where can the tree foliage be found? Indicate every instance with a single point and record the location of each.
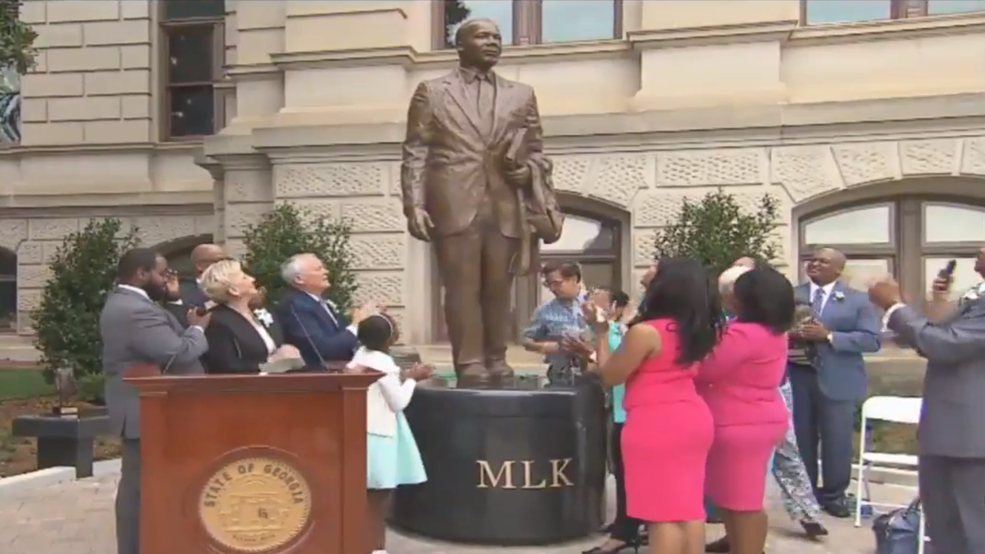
(456, 12)
(16, 38)
(288, 230)
(83, 271)
(717, 231)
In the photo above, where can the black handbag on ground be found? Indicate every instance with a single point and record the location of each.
(898, 531)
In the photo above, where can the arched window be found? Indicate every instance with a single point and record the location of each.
(179, 253)
(592, 243)
(912, 238)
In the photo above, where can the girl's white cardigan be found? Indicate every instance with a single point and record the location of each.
(387, 396)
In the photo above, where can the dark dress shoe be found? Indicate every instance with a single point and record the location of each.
(813, 529)
(721, 546)
(633, 545)
(838, 509)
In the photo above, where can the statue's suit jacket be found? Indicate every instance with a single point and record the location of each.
(953, 419)
(135, 330)
(450, 166)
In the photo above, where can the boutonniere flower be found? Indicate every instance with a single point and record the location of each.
(839, 296)
(264, 317)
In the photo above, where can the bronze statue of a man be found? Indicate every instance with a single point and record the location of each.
(472, 155)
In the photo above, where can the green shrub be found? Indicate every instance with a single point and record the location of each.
(90, 388)
(288, 230)
(16, 38)
(82, 274)
(717, 231)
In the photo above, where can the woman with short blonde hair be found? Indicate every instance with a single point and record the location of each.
(241, 339)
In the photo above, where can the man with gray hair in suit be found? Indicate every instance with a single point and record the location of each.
(951, 435)
(137, 330)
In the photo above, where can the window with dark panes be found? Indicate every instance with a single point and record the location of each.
(194, 48)
(531, 21)
(816, 12)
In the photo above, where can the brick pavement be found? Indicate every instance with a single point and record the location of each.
(77, 518)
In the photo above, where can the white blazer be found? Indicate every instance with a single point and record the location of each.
(386, 396)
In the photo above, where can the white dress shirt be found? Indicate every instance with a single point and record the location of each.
(351, 328)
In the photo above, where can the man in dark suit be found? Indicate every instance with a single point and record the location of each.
(186, 293)
(310, 323)
(826, 391)
(951, 435)
(136, 330)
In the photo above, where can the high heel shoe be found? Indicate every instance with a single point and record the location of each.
(813, 529)
(634, 545)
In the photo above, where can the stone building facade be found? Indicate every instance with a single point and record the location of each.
(870, 133)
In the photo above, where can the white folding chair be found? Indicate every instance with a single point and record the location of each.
(897, 410)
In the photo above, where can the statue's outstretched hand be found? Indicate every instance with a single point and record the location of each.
(419, 225)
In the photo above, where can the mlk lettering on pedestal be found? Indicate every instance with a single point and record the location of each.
(476, 184)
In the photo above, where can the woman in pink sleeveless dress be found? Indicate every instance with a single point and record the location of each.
(668, 429)
(740, 382)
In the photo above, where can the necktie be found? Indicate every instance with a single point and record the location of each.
(484, 102)
(818, 302)
(330, 314)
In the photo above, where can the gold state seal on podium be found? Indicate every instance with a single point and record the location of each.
(255, 505)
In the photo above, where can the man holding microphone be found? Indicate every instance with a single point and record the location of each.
(951, 435)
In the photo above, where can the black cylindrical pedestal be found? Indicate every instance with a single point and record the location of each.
(506, 467)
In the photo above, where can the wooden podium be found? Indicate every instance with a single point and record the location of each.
(258, 464)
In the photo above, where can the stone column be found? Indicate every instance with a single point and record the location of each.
(714, 52)
(257, 35)
(246, 195)
(344, 61)
(218, 196)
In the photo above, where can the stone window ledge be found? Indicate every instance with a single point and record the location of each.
(891, 29)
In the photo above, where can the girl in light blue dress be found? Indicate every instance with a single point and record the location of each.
(392, 456)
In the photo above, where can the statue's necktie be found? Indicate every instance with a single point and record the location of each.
(484, 93)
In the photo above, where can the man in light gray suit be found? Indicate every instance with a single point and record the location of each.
(136, 329)
(952, 424)
(826, 390)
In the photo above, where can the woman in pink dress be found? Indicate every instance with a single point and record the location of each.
(668, 429)
(740, 382)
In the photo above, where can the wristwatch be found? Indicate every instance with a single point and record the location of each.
(830, 338)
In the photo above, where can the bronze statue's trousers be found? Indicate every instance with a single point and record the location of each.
(475, 269)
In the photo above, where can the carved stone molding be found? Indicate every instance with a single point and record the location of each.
(332, 180)
(720, 167)
(804, 171)
(35, 240)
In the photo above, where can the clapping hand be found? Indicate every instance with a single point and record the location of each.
(885, 292)
(814, 331)
(595, 316)
(577, 346)
(419, 372)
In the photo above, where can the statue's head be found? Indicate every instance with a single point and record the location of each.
(479, 44)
